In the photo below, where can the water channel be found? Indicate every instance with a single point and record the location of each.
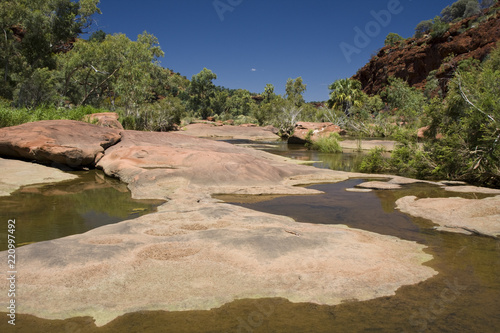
(463, 297)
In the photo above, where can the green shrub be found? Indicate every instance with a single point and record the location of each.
(241, 119)
(374, 162)
(393, 39)
(160, 116)
(10, 116)
(439, 28)
(327, 144)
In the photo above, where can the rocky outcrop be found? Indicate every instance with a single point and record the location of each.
(66, 142)
(153, 164)
(318, 130)
(457, 214)
(197, 253)
(416, 58)
(105, 119)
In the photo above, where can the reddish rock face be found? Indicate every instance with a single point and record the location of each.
(67, 142)
(418, 57)
(105, 119)
(319, 130)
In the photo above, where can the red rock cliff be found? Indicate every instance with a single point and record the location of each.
(416, 58)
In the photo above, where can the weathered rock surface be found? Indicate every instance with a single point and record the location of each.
(421, 133)
(231, 132)
(16, 174)
(105, 119)
(455, 214)
(318, 130)
(198, 253)
(201, 255)
(153, 164)
(66, 142)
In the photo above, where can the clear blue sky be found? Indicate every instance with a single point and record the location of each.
(249, 43)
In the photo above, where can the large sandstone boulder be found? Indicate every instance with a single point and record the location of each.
(66, 142)
(318, 130)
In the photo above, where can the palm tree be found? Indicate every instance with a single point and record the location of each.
(345, 93)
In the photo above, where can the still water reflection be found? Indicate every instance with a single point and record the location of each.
(45, 212)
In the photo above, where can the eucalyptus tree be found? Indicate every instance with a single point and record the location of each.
(115, 69)
(33, 31)
(294, 89)
(201, 90)
(268, 93)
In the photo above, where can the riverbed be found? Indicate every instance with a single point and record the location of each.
(463, 297)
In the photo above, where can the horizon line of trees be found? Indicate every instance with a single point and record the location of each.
(43, 62)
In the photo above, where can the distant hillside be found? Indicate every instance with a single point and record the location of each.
(415, 59)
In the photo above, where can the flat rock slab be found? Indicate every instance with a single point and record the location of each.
(470, 215)
(66, 142)
(198, 256)
(359, 190)
(377, 185)
(230, 132)
(471, 189)
(16, 174)
(155, 164)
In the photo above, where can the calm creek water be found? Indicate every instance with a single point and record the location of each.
(45, 212)
(463, 297)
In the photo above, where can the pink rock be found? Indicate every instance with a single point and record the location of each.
(66, 142)
(319, 129)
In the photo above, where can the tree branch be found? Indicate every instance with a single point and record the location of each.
(97, 86)
(464, 96)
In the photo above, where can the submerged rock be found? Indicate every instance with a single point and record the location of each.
(378, 185)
